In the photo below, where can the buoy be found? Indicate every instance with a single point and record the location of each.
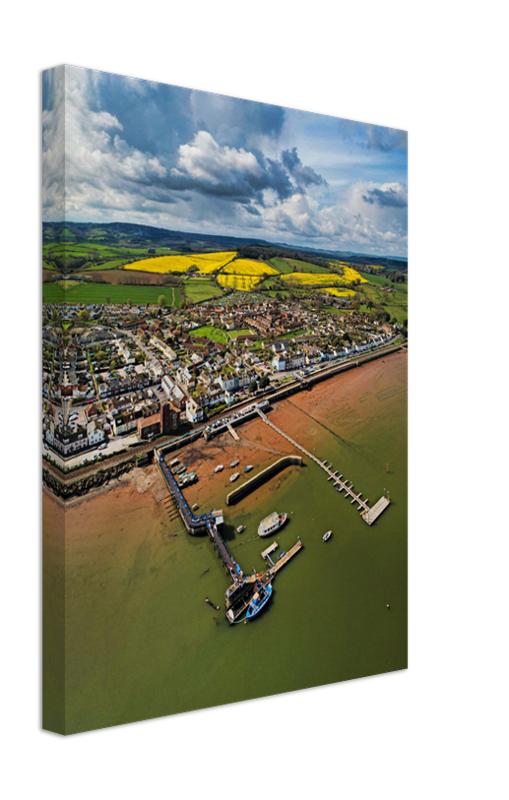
(388, 606)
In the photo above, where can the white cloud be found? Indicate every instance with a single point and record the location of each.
(205, 160)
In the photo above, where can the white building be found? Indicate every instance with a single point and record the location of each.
(194, 412)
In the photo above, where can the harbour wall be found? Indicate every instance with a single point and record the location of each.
(267, 473)
(69, 490)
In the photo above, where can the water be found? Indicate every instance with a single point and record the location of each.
(141, 641)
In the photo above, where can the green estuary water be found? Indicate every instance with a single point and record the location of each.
(141, 642)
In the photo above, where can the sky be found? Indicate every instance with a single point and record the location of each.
(143, 152)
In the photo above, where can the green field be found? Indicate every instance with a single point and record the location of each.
(98, 292)
(396, 304)
(303, 266)
(241, 332)
(214, 334)
(280, 264)
(198, 290)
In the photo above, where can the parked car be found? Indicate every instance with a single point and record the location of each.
(102, 446)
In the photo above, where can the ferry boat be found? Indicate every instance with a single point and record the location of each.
(234, 476)
(259, 601)
(241, 528)
(234, 463)
(219, 468)
(248, 468)
(271, 524)
(327, 536)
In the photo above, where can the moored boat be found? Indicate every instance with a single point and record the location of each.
(271, 523)
(327, 536)
(234, 477)
(259, 601)
(234, 463)
(241, 528)
(248, 468)
(219, 468)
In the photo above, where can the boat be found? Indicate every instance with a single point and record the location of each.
(327, 536)
(241, 528)
(248, 468)
(234, 476)
(174, 462)
(259, 601)
(219, 468)
(234, 463)
(195, 507)
(271, 523)
(281, 555)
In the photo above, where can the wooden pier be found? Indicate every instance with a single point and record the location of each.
(282, 562)
(368, 514)
(377, 509)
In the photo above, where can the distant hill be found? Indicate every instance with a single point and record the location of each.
(135, 235)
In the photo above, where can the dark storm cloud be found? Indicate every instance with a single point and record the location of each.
(385, 198)
(304, 176)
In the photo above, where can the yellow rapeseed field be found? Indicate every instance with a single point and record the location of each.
(206, 263)
(244, 274)
(309, 279)
(338, 292)
(243, 283)
(244, 266)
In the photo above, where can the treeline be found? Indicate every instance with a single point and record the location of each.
(262, 253)
(391, 274)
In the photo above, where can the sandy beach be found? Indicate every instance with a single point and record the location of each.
(302, 416)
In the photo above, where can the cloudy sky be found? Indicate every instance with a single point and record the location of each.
(137, 151)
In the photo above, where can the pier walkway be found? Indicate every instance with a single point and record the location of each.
(199, 523)
(281, 562)
(233, 432)
(239, 594)
(368, 514)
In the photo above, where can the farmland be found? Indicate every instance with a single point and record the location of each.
(205, 263)
(338, 292)
(98, 292)
(244, 274)
(394, 302)
(305, 280)
(198, 289)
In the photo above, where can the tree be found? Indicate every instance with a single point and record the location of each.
(253, 386)
(161, 300)
(84, 315)
(264, 382)
(129, 301)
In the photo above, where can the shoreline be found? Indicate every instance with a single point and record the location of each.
(303, 415)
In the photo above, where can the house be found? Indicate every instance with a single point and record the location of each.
(170, 417)
(95, 433)
(149, 426)
(194, 412)
(124, 423)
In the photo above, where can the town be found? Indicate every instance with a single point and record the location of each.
(117, 376)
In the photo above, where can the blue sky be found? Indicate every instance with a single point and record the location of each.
(138, 151)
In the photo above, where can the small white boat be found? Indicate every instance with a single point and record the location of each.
(241, 528)
(327, 536)
(234, 463)
(248, 468)
(234, 477)
(195, 507)
(219, 468)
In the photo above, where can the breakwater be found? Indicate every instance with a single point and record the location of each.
(80, 487)
(262, 477)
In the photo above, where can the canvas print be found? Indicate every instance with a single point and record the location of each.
(224, 399)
